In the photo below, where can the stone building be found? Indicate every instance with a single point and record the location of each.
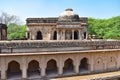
(68, 26)
(56, 48)
(3, 31)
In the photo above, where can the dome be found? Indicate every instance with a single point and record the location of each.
(68, 15)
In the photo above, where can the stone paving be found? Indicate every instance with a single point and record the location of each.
(101, 76)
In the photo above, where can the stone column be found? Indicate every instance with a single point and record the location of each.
(63, 34)
(80, 34)
(43, 71)
(76, 68)
(57, 35)
(60, 68)
(72, 34)
(30, 38)
(24, 68)
(76, 64)
(3, 74)
(24, 73)
(33, 36)
(91, 67)
(3, 69)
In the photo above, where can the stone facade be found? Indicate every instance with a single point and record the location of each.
(57, 47)
(3, 32)
(68, 26)
(54, 64)
(57, 58)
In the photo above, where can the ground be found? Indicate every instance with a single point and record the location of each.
(107, 75)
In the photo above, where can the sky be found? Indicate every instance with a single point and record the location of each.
(53, 8)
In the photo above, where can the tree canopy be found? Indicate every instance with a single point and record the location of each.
(16, 31)
(105, 28)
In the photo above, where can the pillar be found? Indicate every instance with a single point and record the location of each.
(57, 35)
(3, 74)
(43, 71)
(91, 67)
(72, 34)
(24, 73)
(3, 69)
(76, 64)
(76, 68)
(63, 34)
(30, 36)
(33, 36)
(24, 68)
(80, 35)
(60, 68)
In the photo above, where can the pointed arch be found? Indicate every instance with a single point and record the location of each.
(55, 35)
(39, 35)
(84, 65)
(33, 68)
(14, 70)
(68, 66)
(76, 35)
(51, 67)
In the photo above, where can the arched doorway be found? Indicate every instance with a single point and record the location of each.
(51, 67)
(13, 71)
(84, 35)
(39, 35)
(84, 66)
(68, 66)
(55, 35)
(76, 35)
(68, 35)
(33, 69)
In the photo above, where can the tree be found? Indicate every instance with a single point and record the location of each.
(16, 31)
(6, 18)
(105, 28)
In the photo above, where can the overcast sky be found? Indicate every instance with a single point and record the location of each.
(53, 8)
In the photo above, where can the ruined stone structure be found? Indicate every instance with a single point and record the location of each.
(57, 47)
(38, 59)
(3, 31)
(68, 26)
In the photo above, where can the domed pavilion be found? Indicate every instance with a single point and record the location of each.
(68, 26)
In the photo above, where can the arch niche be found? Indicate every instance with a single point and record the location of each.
(33, 68)
(84, 66)
(68, 66)
(39, 35)
(51, 67)
(13, 70)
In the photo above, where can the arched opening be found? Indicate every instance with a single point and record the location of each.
(84, 35)
(33, 69)
(39, 35)
(51, 67)
(84, 66)
(68, 35)
(68, 66)
(55, 35)
(13, 71)
(76, 35)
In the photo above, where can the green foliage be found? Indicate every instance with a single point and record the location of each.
(16, 31)
(105, 28)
